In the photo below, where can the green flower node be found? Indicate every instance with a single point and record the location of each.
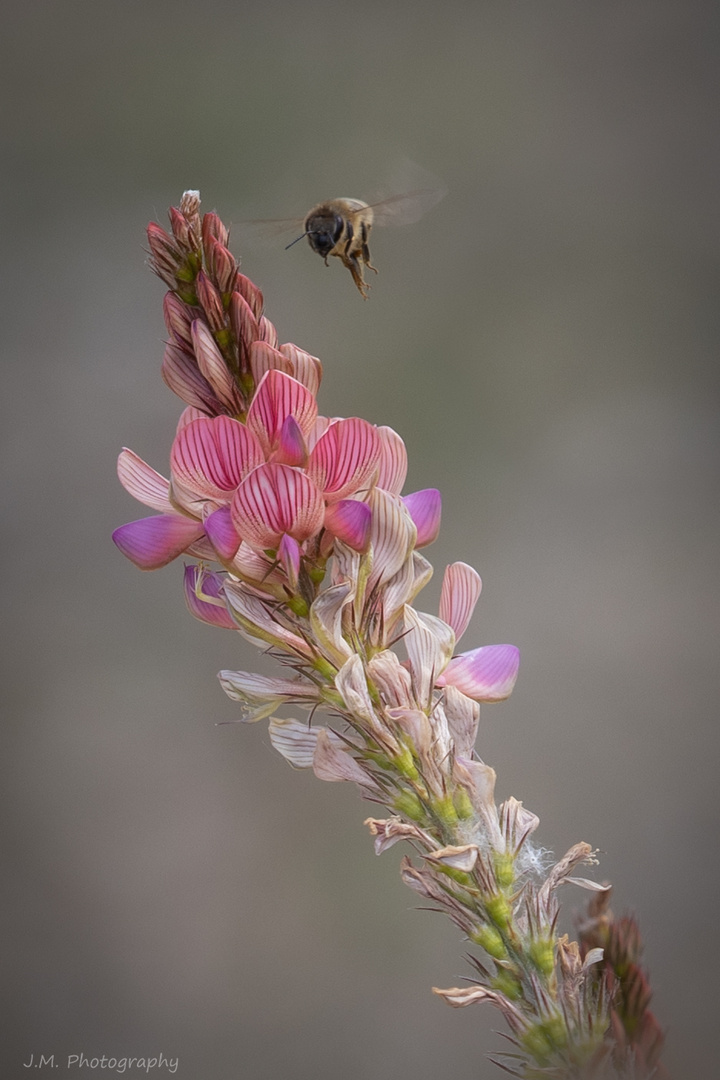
(542, 954)
(490, 940)
(462, 804)
(408, 804)
(504, 869)
(445, 810)
(498, 909)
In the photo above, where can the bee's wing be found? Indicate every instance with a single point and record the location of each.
(264, 229)
(408, 208)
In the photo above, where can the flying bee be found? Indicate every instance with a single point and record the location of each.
(340, 228)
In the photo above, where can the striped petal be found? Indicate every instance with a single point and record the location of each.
(393, 461)
(294, 740)
(279, 396)
(211, 456)
(180, 372)
(213, 366)
(264, 358)
(143, 483)
(204, 598)
(273, 500)
(460, 592)
(254, 617)
(429, 643)
(425, 508)
(155, 541)
(221, 533)
(485, 674)
(288, 554)
(332, 763)
(344, 458)
(350, 521)
(260, 695)
(305, 368)
(392, 535)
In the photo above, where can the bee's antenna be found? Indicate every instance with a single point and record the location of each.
(301, 237)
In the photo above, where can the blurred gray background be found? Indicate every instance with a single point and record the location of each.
(545, 341)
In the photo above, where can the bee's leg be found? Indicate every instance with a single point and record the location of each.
(355, 269)
(366, 250)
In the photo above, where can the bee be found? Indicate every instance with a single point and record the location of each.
(340, 228)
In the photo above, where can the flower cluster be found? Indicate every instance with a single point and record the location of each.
(308, 547)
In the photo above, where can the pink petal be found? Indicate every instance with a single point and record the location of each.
(279, 396)
(425, 508)
(392, 535)
(344, 458)
(213, 366)
(350, 521)
(188, 415)
(460, 591)
(305, 368)
(292, 449)
(264, 358)
(178, 317)
(485, 674)
(221, 533)
(155, 541)
(393, 461)
(211, 456)
(276, 499)
(244, 326)
(289, 559)
(268, 332)
(250, 293)
(204, 598)
(143, 483)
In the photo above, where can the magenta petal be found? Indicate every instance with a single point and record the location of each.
(210, 456)
(153, 542)
(273, 500)
(292, 449)
(425, 508)
(221, 533)
(203, 594)
(288, 553)
(485, 674)
(350, 520)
